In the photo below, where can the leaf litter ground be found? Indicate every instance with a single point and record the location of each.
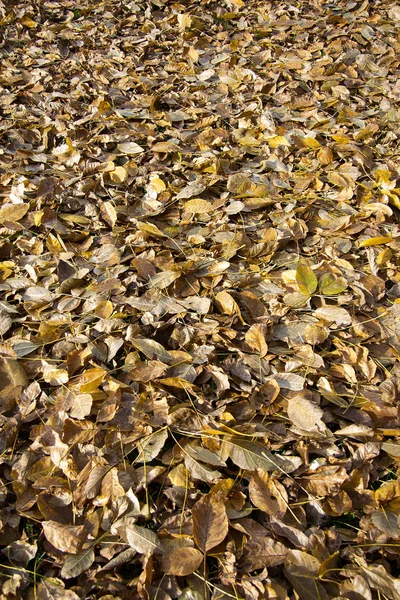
(200, 300)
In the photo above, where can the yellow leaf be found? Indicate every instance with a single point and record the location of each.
(28, 22)
(118, 175)
(330, 285)
(393, 198)
(37, 217)
(104, 106)
(104, 309)
(384, 257)
(199, 206)
(74, 218)
(315, 334)
(383, 177)
(90, 380)
(12, 212)
(325, 155)
(193, 54)
(227, 305)
(184, 21)
(312, 143)
(48, 333)
(249, 140)
(255, 338)
(375, 241)
(150, 229)
(277, 140)
(306, 280)
(157, 184)
(341, 139)
(54, 245)
(56, 377)
(6, 268)
(179, 476)
(69, 143)
(165, 147)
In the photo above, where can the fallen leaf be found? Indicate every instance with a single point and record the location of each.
(76, 564)
(306, 279)
(268, 494)
(12, 381)
(66, 538)
(199, 206)
(182, 561)
(130, 148)
(251, 456)
(305, 414)
(210, 522)
(12, 212)
(333, 314)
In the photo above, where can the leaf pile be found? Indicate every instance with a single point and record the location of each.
(199, 314)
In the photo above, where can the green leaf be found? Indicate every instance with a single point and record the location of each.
(329, 285)
(306, 279)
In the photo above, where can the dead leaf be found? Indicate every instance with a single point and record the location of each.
(12, 381)
(210, 522)
(333, 314)
(199, 206)
(76, 564)
(268, 494)
(12, 212)
(66, 538)
(251, 456)
(182, 561)
(305, 414)
(227, 305)
(130, 148)
(139, 538)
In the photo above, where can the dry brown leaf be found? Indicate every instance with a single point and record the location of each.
(199, 206)
(227, 305)
(255, 338)
(66, 538)
(12, 212)
(210, 522)
(305, 414)
(108, 213)
(12, 381)
(268, 494)
(182, 561)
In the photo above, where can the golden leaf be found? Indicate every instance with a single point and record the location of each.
(376, 241)
(197, 205)
(277, 140)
